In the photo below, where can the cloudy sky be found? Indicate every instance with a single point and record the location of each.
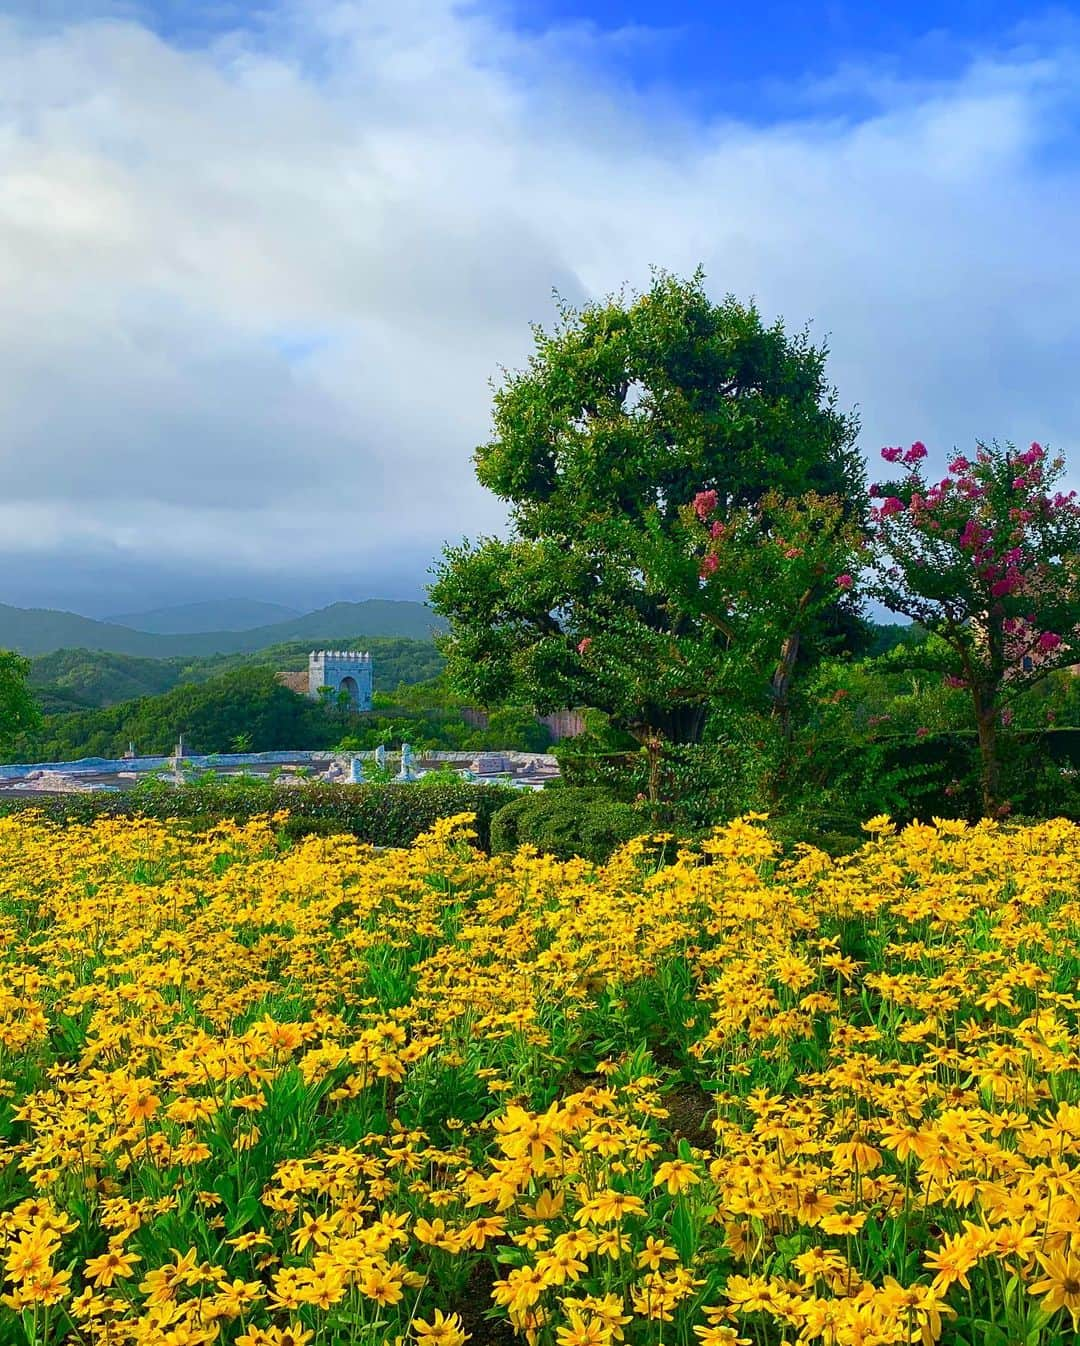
(260, 261)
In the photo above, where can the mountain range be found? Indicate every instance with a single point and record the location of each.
(217, 614)
(42, 630)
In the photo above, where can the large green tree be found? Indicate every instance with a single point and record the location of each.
(18, 709)
(628, 411)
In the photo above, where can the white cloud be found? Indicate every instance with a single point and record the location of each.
(254, 292)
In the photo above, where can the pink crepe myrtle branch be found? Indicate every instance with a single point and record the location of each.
(987, 558)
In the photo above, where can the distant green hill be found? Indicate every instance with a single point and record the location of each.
(71, 680)
(74, 680)
(372, 617)
(220, 614)
(239, 706)
(42, 630)
(210, 714)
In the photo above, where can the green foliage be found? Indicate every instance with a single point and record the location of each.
(517, 727)
(625, 413)
(69, 680)
(210, 715)
(438, 778)
(699, 785)
(78, 679)
(641, 403)
(382, 815)
(986, 559)
(887, 636)
(245, 709)
(567, 822)
(623, 775)
(19, 712)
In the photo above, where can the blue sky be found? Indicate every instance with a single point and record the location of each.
(720, 55)
(758, 59)
(261, 262)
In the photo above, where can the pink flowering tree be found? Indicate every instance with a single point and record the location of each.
(987, 558)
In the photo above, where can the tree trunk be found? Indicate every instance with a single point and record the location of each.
(781, 683)
(990, 773)
(654, 747)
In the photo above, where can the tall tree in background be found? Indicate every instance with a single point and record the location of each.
(18, 708)
(626, 413)
(987, 558)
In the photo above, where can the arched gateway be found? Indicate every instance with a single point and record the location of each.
(342, 671)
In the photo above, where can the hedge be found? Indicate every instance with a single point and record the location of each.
(567, 822)
(383, 815)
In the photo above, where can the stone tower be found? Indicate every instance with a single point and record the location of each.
(341, 671)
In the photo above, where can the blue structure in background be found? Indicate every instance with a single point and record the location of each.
(342, 671)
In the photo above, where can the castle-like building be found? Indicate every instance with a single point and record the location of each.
(342, 671)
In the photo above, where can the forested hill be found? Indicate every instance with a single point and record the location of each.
(42, 630)
(78, 680)
(245, 709)
(223, 614)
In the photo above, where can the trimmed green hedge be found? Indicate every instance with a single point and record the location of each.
(383, 815)
(567, 822)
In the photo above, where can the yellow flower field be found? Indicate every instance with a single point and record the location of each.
(322, 1094)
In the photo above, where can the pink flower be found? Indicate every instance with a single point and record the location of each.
(1049, 640)
(951, 680)
(917, 451)
(959, 464)
(790, 553)
(891, 455)
(892, 505)
(708, 566)
(1018, 483)
(704, 504)
(1007, 716)
(583, 645)
(844, 581)
(922, 731)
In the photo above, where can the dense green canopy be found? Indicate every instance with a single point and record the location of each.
(629, 409)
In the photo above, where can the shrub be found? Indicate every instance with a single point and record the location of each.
(621, 775)
(383, 815)
(700, 784)
(567, 822)
(794, 830)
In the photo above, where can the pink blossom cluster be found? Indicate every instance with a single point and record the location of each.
(967, 508)
(909, 457)
(704, 504)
